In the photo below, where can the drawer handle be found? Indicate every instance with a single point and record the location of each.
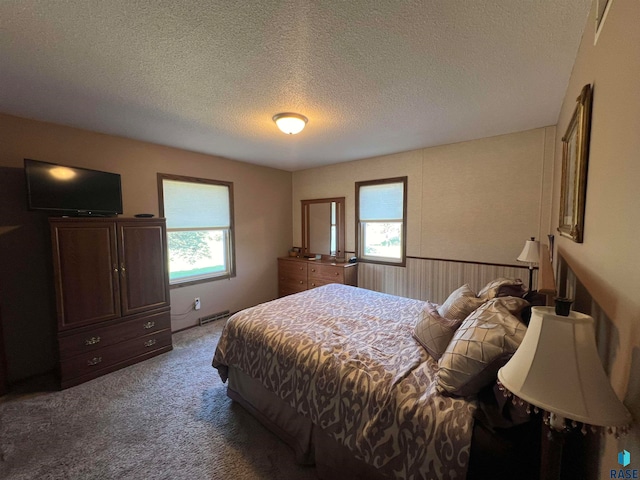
(313, 284)
(313, 269)
(301, 282)
(149, 325)
(94, 361)
(92, 341)
(150, 343)
(337, 274)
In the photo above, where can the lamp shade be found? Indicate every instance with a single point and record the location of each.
(557, 368)
(290, 123)
(531, 252)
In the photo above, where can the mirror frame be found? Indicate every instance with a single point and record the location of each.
(340, 203)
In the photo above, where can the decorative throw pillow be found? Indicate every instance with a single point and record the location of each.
(481, 346)
(511, 291)
(434, 332)
(460, 303)
(491, 289)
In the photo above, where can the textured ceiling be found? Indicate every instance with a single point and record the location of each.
(373, 77)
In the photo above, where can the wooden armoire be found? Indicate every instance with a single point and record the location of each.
(112, 294)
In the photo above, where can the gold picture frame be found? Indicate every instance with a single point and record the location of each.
(575, 155)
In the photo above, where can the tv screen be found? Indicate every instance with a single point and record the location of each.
(72, 190)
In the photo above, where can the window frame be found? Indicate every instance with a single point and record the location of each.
(359, 225)
(228, 239)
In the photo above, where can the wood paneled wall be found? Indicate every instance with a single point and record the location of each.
(433, 279)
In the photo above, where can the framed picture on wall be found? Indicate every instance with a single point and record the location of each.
(602, 9)
(575, 155)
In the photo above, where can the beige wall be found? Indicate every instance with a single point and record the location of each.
(607, 262)
(476, 201)
(262, 201)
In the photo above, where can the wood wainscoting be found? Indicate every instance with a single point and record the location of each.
(434, 279)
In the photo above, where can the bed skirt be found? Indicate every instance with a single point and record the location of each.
(309, 443)
(495, 453)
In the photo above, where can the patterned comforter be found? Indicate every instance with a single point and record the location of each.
(344, 357)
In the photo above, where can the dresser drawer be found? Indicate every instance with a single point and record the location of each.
(292, 286)
(96, 338)
(292, 275)
(324, 274)
(292, 269)
(90, 362)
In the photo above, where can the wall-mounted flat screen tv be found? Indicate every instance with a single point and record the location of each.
(72, 190)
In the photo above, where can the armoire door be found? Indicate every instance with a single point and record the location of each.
(85, 272)
(143, 265)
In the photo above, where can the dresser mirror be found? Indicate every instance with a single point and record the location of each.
(323, 227)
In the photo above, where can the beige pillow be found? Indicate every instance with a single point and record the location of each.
(481, 346)
(492, 288)
(460, 303)
(434, 332)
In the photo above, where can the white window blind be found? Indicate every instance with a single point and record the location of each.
(381, 202)
(195, 205)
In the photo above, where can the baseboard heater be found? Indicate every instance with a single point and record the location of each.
(214, 316)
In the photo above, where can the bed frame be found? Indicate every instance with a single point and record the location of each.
(496, 453)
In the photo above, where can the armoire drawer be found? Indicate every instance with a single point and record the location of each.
(96, 338)
(94, 361)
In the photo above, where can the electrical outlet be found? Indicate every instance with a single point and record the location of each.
(196, 303)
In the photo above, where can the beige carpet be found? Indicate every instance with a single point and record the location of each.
(166, 418)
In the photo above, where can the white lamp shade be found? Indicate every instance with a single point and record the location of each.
(557, 368)
(530, 253)
(290, 123)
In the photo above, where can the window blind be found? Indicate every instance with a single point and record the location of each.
(381, 202)
(196, 205)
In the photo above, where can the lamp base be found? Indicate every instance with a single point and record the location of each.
(551, 448)
(568, 454)
(531, 278)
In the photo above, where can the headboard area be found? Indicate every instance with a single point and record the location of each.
(570, 286)
(619, 357)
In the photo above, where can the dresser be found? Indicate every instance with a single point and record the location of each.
(112, 294)
(299, 274)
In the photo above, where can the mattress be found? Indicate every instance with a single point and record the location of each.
(344, 358)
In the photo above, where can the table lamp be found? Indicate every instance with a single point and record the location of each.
(557, 369)
(530, 254)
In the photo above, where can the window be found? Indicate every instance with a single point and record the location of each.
(199, 215)
(381, 220)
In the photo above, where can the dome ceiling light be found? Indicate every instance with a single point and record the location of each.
(290, 123)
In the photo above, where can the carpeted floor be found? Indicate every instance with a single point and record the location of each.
(166, 418)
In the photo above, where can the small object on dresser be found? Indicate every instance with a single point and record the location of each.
(143, 215)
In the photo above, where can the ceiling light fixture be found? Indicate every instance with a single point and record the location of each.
(290, 123)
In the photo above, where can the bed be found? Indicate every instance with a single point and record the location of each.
(344, 376)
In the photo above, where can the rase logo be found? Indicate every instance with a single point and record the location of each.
(624, 459)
